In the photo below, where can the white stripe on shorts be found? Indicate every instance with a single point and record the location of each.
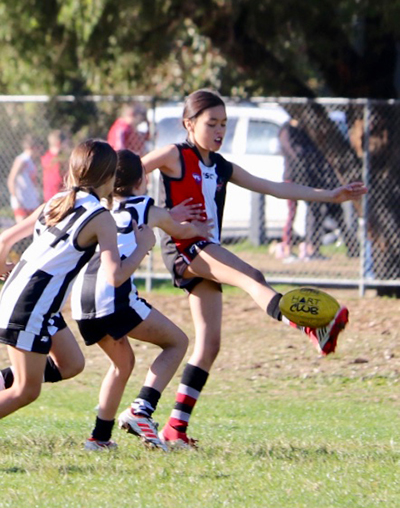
(26, 340)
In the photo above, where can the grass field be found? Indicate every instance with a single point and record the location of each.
(278, 426)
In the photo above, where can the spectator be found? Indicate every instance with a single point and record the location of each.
(22, 181)
(53, 163)
(305, 164)
(287, 139)
(130, 130)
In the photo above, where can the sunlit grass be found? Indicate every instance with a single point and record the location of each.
(277, 426)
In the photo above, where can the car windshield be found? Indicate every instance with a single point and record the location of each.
(170, 130)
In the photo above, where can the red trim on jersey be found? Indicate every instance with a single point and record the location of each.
(188, 186)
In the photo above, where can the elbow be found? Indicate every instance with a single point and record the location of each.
(116, 280)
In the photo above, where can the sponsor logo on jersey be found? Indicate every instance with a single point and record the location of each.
(197, 177)
(209, 176)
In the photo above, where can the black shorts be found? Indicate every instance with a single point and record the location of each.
(116, 325)
(28, 341)
(177, 262)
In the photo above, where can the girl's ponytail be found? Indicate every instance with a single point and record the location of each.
(61, 207)
(92, 163)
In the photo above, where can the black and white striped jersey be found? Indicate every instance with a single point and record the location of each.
(41, 281)
(92, 296)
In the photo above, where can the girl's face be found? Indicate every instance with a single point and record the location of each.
(207, 131)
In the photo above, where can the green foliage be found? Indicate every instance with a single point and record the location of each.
(171, 47)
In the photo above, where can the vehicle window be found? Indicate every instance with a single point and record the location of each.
(262, 138)
(170, 130)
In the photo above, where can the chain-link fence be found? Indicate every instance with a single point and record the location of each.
(322, 143)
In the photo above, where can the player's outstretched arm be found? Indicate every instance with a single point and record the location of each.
(293, 191)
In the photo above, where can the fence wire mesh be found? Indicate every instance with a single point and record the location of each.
(321, 143)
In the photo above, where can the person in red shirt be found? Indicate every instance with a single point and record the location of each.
(127, 132)
(52, 164)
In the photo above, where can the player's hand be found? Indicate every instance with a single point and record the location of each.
(5, 270)
(351, 191)
(187, 211)
(204, 228)
(145, 237)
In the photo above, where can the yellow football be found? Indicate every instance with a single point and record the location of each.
(309, 307)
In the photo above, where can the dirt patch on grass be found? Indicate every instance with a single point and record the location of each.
(251, 340)
(255, 345)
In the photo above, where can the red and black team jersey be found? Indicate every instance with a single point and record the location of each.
(205, 184)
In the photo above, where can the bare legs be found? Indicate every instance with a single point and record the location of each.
(156, 329)
(216, 263)
(28, 374)
(28, 369)
(206, 307)
(67, 354)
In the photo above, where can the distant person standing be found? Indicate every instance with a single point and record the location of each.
(22, 181)
(131, 130)
(53, 165)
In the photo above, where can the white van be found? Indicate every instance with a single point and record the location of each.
(251, 141)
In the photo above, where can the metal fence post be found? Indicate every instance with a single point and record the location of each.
(154, 192)
(257, 219)
(365, 251)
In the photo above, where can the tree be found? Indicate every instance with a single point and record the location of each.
(319, 47)
(243, 48)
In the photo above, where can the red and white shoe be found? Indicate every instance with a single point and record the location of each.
(325, 338)
(176, 439)
(93, 444)
(141, 426)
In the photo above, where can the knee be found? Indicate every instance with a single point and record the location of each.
(182, 342)
(177, 340)
(78, 366)
(73, 368)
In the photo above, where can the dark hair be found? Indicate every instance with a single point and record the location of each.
(129, 172)
(92, 163)
(199, 101)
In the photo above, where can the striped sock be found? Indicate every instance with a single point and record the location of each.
(192, 382)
